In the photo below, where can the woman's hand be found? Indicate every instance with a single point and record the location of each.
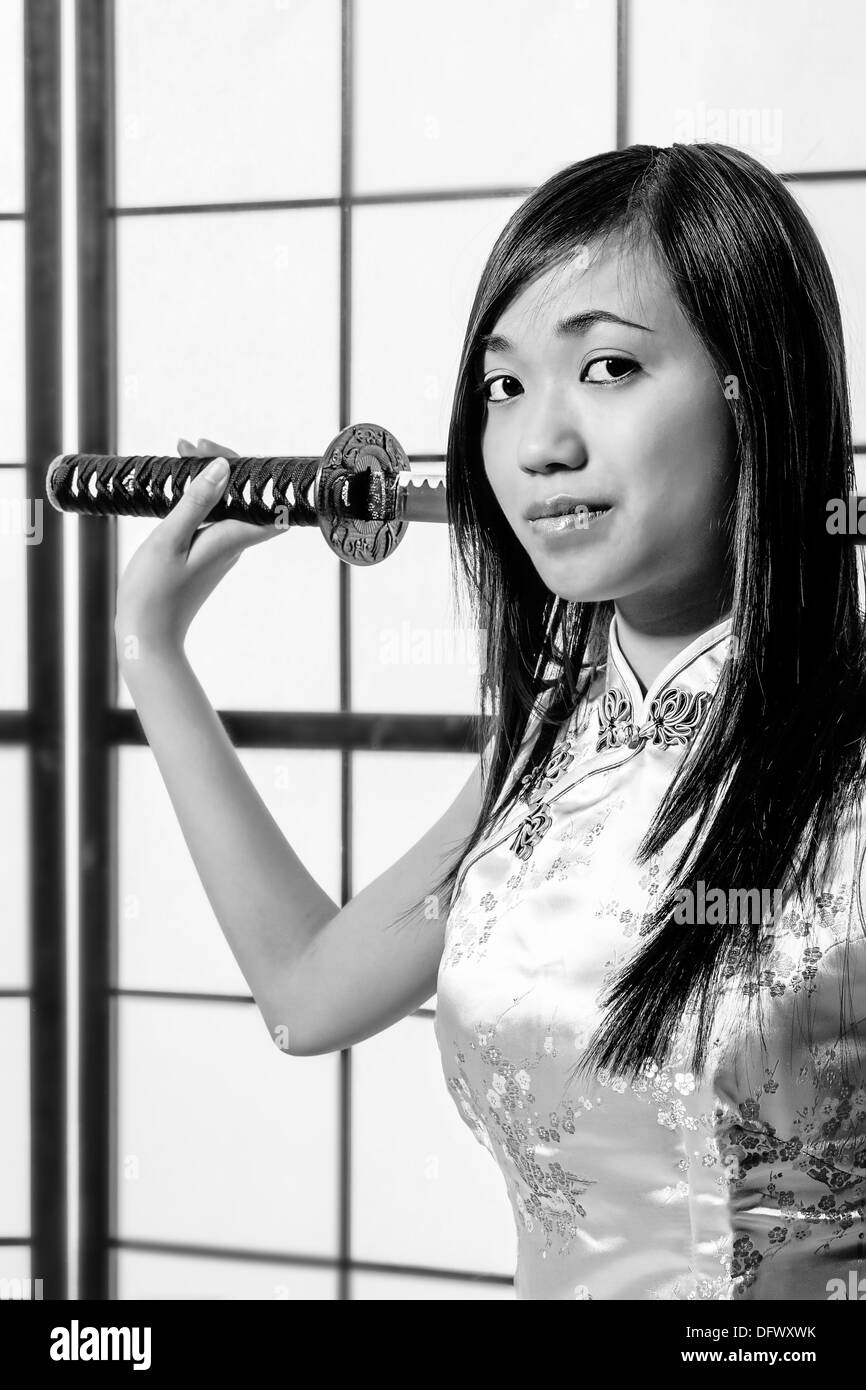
(180, 563)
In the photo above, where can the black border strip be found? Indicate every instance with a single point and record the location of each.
(345, 730)
(347, 98)
(426, 195)
(45, 724)
(309, 1261)
(15, 726)
(97, 667)
(439, 195)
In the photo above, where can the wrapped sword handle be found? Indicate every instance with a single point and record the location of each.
(361, 493)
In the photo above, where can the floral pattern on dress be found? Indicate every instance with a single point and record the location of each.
(791, 950)
(469, 930)
(674, 718)
(568, 751)
(505, 1121)
(813, 1175)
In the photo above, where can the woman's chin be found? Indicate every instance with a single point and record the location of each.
(580, 588)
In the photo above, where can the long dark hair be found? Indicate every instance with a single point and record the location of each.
(781, 753)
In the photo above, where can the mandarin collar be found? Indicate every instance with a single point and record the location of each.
(676, 702)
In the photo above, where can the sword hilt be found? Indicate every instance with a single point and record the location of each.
(361, 492)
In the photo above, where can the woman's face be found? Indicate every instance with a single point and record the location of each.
(627, 416)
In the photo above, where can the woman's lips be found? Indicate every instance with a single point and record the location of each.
(569, 522)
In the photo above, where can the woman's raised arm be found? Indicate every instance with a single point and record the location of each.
(322, 976)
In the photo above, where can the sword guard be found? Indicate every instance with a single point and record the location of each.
(374, 450)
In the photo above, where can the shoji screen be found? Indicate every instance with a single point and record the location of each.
(33, 1206)
(288, 207)
(295, 228)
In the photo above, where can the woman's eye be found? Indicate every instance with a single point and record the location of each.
(624, 362)
(487, 385)
(617, 369)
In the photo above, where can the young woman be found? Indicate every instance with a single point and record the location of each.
(643, 915)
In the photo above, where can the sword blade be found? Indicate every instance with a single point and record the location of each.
(421, 493)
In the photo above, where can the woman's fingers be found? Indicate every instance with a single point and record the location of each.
(207, 446)
(187, 529)
(203, 449)
(227, 538)
(199, 497)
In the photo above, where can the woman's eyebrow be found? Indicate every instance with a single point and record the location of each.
(572, 326)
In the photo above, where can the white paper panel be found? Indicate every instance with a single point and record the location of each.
(425, 1192)
(268, 636)
(169, 937)
(15, 879)
(417, 268)
(21, 526)
(773, 78)
(149, 1276)
(228, 327)
(222, 1139)
(15, 1155)
(227, 100)
(12, 105)
(397, 797)
(411, 649)
(12, 445)
(837, 211)
(490, 94)
(16, 1266)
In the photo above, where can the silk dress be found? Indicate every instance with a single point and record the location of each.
(747, 1181)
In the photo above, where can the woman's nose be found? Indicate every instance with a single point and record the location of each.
(551, 435)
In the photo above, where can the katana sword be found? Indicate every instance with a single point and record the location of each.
(361, 493)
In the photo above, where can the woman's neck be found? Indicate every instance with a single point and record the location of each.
(649, 642)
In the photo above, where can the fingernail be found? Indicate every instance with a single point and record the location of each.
(216, 472)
